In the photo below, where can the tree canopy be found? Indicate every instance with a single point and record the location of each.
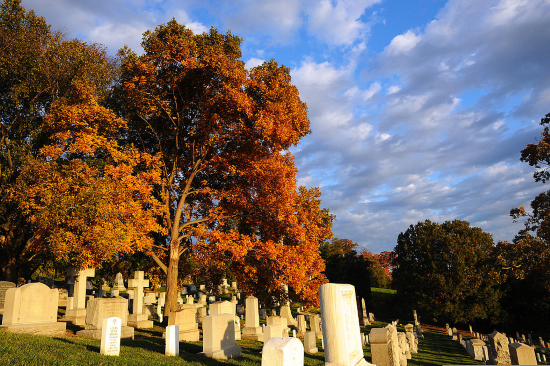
(445, 271)
(229, 186)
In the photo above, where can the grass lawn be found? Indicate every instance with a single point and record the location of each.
(148, 349)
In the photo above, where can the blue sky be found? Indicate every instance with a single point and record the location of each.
(419, 109)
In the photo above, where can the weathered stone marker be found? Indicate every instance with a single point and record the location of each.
(283, 351)
(32, 308)
(341, 333)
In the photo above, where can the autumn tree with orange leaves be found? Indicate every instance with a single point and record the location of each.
(229, 183)
(50, 206)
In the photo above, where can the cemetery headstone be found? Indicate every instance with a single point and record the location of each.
(252, 329)
(302, 327)
(110, 336)
(283, 351)
(137, 319)
(340, 325)
(270, 331)
(411, 339)
(119, 282)
(315, 325)
(474, 347)
(364, 311)
(101, 308)
(77, 314)
(4, 286)
(172, 347)
(522, 354)
(32, 308)
(219, 337)
(382, 346)
(286, 313)
(498, 350)
(310, 342)
(186, 320)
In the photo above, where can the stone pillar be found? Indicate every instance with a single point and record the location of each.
(252, 329)
(77, 315)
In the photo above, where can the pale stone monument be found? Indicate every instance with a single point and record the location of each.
(186, 320)
(77, 314)
(274, 319)
(32, 308)
(219, 337)
(252, 329)
(119, 282)
(364, 311)
(283, 351)
(101, 308)
(498, 351)
(315, 325)
(341, 333)
(302, 327)
(522, 354)
(110, 336)
(474, 347)
(383, 348)
(270, 331)
(226, 307)
(310, 342)
(172, 347)
(411, 339)
(404, 347)
(4, 286)
(137, 319)
(286, 313)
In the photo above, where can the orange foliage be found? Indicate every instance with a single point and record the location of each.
(230, 184)
(89, 198)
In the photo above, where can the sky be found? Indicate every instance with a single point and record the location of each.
(419, 109)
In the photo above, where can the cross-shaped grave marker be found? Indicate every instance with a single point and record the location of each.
(138, 283)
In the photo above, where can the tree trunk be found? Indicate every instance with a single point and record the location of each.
(172, 279)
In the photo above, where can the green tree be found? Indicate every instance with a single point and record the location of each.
(344, 265)
(445, 271)
(525, 263)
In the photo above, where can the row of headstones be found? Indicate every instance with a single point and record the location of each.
(497, 348)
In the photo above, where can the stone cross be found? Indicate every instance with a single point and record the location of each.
(80, 285)
(138, 283)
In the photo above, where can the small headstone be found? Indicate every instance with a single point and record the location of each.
(270, 331)
(4, 286)
(186, 320)
(310, 342)
(110, 337)
(522, 354)
(119, 282)
(101, 308)
(172, 347)
(280, 351)
(286, 313)
(219, 337)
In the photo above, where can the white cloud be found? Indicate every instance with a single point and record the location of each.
(403, 43)
(253, 62)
